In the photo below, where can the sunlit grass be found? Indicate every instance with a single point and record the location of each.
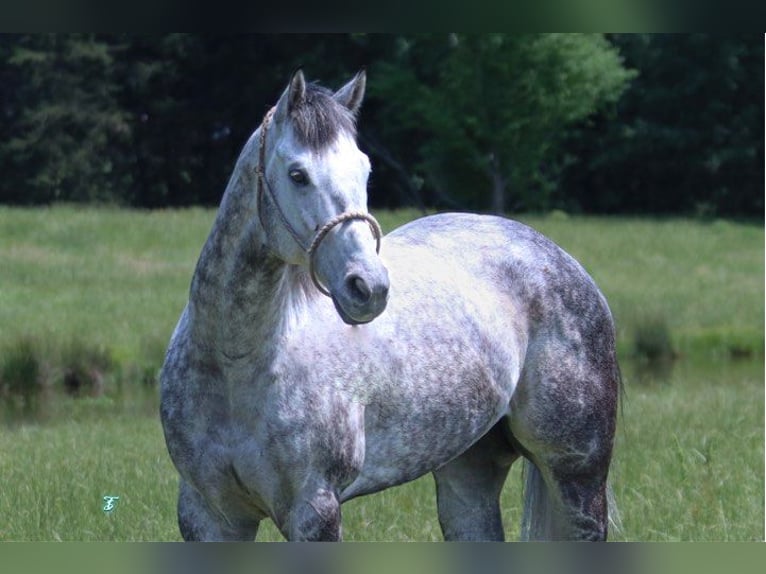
(689, 459)
(55, 478)
(106, 277)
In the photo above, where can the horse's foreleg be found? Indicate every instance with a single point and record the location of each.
(198, 522)
(314, 517)
(468, 489)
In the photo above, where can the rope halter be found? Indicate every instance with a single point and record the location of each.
(310, 248)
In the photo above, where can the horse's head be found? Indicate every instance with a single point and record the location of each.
(312, 196)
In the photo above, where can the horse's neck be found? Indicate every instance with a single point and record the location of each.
(240, 289)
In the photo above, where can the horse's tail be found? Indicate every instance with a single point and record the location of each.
(615, 519)
(537, 515)
(536, 518)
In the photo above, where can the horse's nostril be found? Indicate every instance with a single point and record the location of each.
(359, 288)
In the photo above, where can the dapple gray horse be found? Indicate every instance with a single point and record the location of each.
(316, 361)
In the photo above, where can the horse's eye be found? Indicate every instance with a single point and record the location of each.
(298, 176)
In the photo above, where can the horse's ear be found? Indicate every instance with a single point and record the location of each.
(352, 94)
(293, 95)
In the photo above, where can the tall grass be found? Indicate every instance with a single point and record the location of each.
(689, 459)
(55, 478)
(688, 466)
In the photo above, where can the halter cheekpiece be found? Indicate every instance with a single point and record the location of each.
(310, 248)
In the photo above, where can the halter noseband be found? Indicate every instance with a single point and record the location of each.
(311, 248)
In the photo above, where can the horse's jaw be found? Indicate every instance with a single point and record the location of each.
(358, 318)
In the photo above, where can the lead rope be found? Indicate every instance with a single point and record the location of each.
(263, 183)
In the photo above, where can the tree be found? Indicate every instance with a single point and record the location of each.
(489, 121)
(64, 127)
(687, 136)
(193, 100)
(488, 114)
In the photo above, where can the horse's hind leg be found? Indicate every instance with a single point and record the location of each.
(468, 489)
(561, 505)
(564, 419)
(198, 522)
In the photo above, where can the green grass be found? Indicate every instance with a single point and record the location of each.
(110, 284)
(688, 466)
(55, 479)
(102, 276)
(689, 459)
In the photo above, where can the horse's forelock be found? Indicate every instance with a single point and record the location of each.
(319, 118)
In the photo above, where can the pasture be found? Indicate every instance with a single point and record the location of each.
(104, 287)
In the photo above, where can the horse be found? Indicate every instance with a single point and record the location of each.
(317, 360)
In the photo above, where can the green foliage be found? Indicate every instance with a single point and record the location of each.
(531, 122)
(21, 369)
(490, 113)
(687, 137)
(22, 377)
(652, 340)
(66, 129)
(83, 368)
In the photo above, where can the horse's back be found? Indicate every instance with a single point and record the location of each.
(544, 281)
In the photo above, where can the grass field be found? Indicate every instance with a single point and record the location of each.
(690, 450)
(688, 466)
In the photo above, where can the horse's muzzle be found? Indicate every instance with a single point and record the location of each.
(362, 297)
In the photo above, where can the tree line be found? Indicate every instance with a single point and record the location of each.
(503, 122)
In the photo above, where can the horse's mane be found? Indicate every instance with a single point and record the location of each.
(318, 119)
